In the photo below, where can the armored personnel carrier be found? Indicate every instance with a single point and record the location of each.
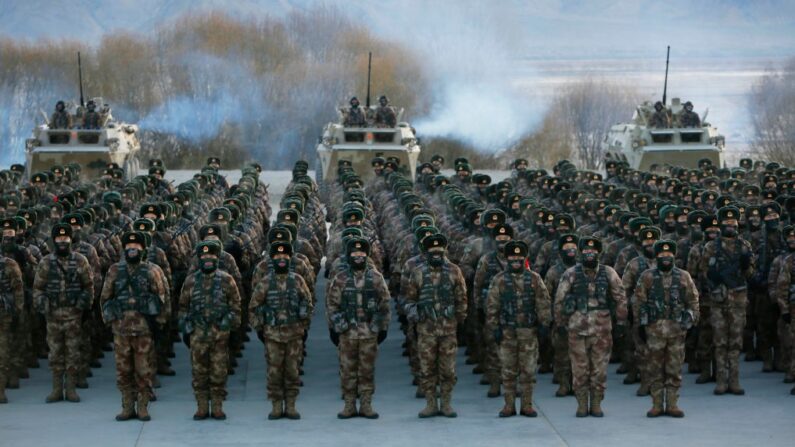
(360, 145)
(113, 142)
(642, 145)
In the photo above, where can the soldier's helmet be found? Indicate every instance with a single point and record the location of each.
(358, 244)
(658, 105)
(60, 105)
(208, 248)
(383, 100)
(516, 248)
(61, 229)
(91, 105)
(568, 238)
(588, 242)
(133, 237)
(664, 246)
(144, 225)
(280, 248)
(434, 241)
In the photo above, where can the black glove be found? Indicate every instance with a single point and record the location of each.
(335, 337)
(621, 331)
(498, 335)
(714, 275)
(642, 334)
(543, 331)
(745, 260)
(381, 336)
(261, 336)
(186, 340)
(481, 317)
(787, 318)
(403, 320)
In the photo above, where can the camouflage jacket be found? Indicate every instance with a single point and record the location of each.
(456, 288)
(369, 321)
(668, 323)
(134, 323)
(279, 333)
(596, 322)
(498, 294)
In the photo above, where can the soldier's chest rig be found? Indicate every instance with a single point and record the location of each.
(586, 295)
(359, 305)
(726, 265)
(436, 301)
(494, 265)
(132, 293)
(7, 305)
(664, 302)
(209, 308)
(791, 294)
(282, 307)
(518, 307)
(64, 288)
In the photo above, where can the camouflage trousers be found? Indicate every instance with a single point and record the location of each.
(751, 322)
(414, 358)
(666, 354)
(490, 355)
(590, 356)
(134, 369)
(767, 316)
(437, 361)
(357, 365)
(63, 338)
(705, 342)
(518, 359)
(562, 365)
(640, 353)
(728, 321)
(209, 359)
(284, 359)
(19, 346)
(787, 336)
(5, 352)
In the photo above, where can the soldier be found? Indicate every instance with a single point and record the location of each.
(567, 252)
(587, 295)
(666, 305)
(61, 118)
(659, 119)
(436, 300)
(92, 118)
(63, 291)
(358, 316)
(12, 301)
(726, 263)
(784, 288)
(518, 313)
(280, 309)
(133, 303)
(438, 163)
(209, 309)
(354, 115)
(689, 118)
(385, 115)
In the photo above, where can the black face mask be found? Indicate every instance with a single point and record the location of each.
(281, 265)
(435, 259)
(712, 234)
(754, 223)
(665, 263)
(728, 231)
(357, 262)
(501, 245)
(669, 227)
(9, 244)
(569, 257)
(133, 255)
(77, 236)
(516, 266)
(590, 260)
(696, 233)
(771, 225)
(682, 229)
(648, 251)
(791, 244)
(63, 248)
(209, 265)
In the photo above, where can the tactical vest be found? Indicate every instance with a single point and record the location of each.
(63, 288)
(359, 306)
(578, 299)
(209, 307)
(7, 305)
(665, 304)
(282, 307)
(728, 268)
(493, 268)
(436, 301)
(132, 293)
(511, 303)
(791, 297)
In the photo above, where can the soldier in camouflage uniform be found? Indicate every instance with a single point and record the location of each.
(518, 312)
(567, 248)
(726, 263)
(666, 307)
(659, 119)
(436, 300)
(782, 281)
(134, 303)
(209, 309)
(12, 301)
(63, 292)
(586, 297)
(357, 308)
(280, 308)
(705, 354)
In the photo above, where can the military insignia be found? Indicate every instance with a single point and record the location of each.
(140, 227)
(132, 237)
(517, 250)
(666, 247)
(502, 230)
(279, 249)
(210, 231)
(435, 243)
(358, 245)
(649, 235)
(206, 249)
(495, 218)
(590, 243)
(569, 239)
(62, 231)
(729, 214)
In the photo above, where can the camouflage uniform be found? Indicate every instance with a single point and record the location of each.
(12, 300)
(518, 307)
(357, 308)
(209, 309)
(560, 343)
(784, 290)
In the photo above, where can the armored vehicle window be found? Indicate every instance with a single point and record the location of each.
(59, 137)
(662, 137)
(88, 137)
(354, 137)
(691, 137)
(383, 137)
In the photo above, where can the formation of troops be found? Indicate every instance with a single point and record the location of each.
(560, 272)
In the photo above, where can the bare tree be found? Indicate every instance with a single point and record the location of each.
(772, 100)
(587, 108)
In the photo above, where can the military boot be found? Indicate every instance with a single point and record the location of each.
(57, 388)
(632, 375)
(527, 403)
(71, 384)
(705, 375)
(734, 379)
(431, 408)
(82, 381)
(564, 389)
(789, 378)
(3, 398)
(202, 407)
(349, 410)
(13, 379)
(671, 404)
(494, 388)
(446, 408)
(143, 407)
(510, 406)
(127, 407)
(656, 404)
(643, 390)
(366, 407)
(289, 408)
(596, 403)
(218, 408)
(582, 403)
(277, 411)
